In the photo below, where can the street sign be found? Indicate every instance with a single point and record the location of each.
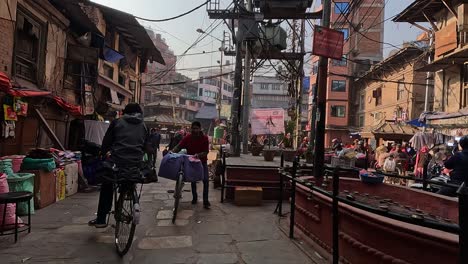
(267, 121)
(328, 43)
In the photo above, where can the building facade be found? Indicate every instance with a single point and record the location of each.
(392, 91)
(449, 60)
(209, 86)
(363, 29)
(269, 92)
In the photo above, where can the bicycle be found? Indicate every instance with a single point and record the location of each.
(126, 205)
(178, 192)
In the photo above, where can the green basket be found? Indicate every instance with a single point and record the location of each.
(20, 182)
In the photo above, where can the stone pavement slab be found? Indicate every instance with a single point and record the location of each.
(225, 234)
(165, 242)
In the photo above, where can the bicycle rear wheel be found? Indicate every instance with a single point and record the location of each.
(177, 195)
(124, 221)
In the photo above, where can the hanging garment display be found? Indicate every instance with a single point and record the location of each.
(9, 113)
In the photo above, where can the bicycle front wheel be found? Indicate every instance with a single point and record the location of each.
(177, 195)
(124, 220)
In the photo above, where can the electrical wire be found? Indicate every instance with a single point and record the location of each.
(175, 17)
(190, 81)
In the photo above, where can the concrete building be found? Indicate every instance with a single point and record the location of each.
(269, 92)
(209, 86)
(449, 61)
(390, 94)
(363, 30)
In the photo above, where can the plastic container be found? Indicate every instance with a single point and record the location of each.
(342, 162)
(6, 167)
(19, 182)
(17, 160)
(371, 178)
(10, 210)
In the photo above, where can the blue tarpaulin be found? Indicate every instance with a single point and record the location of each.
(111, 55)
(416, 123)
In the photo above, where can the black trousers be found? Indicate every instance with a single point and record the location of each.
(206, 185)
(105, 202)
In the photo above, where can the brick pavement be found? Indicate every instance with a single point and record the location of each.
(225, 234)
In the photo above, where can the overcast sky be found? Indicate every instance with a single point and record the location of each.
(181, 33)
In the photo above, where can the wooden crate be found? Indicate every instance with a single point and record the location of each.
(248, 196)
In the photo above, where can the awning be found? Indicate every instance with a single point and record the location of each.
(104, 81)
(457, 57)
(386, 130)
(167, 120)
(416, 123)
(415, 12)
(6, 87)
(129, 27)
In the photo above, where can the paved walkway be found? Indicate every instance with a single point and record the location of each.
(225, 234)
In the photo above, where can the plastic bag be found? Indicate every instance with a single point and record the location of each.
(10, 114)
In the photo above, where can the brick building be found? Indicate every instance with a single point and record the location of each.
(363, 29)
(78, 58)
(448, 23)
(390, 94)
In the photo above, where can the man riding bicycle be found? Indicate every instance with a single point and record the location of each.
(125, 141)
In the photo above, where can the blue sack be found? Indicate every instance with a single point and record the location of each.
(170, 166)
(172, 163)
(193, 169)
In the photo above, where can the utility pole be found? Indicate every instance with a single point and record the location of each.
(246, 105)
(321, 100)
(428, 75)
(300, 85)
(220, 95)
(236, 97)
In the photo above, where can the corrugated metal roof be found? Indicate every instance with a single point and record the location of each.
(165, 119)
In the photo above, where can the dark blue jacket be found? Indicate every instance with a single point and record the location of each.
(458, 163)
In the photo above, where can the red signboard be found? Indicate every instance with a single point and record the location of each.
(328, 43)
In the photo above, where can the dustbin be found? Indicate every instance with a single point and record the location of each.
(20, 182)
(6, 166)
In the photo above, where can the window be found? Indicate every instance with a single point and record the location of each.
(341, 62)
(192, 103)
(108, 71)
(345, 32)
(132, 85)
(377, 94)
(276, 87)
(200, 92)
(264, 86)
(315, 67)
(338, 86)
(341, 7)
(122, 79)
(362, 101)
(226, 87)
(29, 51)
(361, 121)
(400, 90)
(338, 111)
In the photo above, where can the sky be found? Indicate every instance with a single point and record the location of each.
(181, 33)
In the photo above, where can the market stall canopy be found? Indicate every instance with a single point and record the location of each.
(420, 11)
(388, 130)
(167, 120)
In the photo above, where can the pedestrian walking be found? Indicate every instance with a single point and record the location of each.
(196, 143)
(155, 141)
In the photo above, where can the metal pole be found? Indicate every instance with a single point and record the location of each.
(292, 215)
(428, 75)
(463, 223)
(321, 101)
(336, 182)
(220, 95)
(279, 206)
(246, 101)
(236, 98)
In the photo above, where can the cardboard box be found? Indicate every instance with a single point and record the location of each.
(248, 196)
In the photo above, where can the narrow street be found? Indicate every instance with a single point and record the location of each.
(225, 234)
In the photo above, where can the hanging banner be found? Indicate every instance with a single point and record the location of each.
(328, 43)
(268, 121)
